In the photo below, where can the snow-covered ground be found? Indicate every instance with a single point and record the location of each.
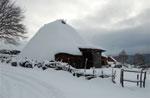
(17, 82)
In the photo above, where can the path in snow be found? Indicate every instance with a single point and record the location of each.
(25, 85)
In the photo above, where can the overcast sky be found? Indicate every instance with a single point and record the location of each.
(112, 24)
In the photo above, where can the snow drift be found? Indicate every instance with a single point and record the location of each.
(53, 38)
(18, 82)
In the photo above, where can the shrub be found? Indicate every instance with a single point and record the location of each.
(44, 68)
(8, 61)
(14, 64)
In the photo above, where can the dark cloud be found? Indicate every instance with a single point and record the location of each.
(133, 40)
(121, 24)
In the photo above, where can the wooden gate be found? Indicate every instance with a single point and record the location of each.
(140, 79)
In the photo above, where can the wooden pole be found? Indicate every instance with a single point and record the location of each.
(94, 71)
(85, 65)
(144, 79)
(141, 78)
(137, 79)
(121, 78)
(113, 76)
(102, 74)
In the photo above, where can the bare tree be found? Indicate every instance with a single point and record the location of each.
(138, 59)
(122, 57)
(11, 27)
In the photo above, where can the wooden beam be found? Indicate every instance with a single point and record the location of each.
(132, 81)
(133, 71)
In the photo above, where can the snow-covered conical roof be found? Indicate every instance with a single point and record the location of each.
(52, 38)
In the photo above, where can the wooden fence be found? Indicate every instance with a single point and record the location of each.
(140, 79)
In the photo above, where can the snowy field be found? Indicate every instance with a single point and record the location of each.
(18, 82)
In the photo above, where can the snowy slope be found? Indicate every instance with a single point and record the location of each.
(53, 38)
(19, 82)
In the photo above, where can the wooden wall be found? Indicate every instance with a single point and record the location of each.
(94, 58)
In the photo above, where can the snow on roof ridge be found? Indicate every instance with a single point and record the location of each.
(62, 21)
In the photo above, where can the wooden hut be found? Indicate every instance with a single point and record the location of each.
(89, 58)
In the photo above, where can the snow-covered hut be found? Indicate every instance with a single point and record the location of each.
(59, 41)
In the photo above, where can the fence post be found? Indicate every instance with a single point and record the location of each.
(102, 74)
(141, 78)
(113, 76)
(85, 65)
(121, 77)
(144, 79)
(137, 79)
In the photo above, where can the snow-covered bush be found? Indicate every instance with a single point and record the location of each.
(2, 60)
(8, 61)
(146, 66)
(51, 64)
(39, 65)
(22, 64)
(118, 66)
(14, 64)
(44, 67)
(26, 64)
